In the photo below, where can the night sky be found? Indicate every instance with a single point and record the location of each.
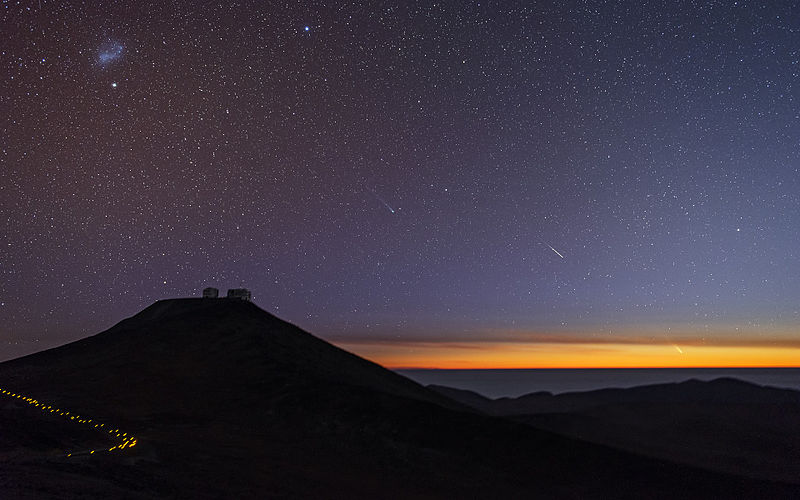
(424, 183)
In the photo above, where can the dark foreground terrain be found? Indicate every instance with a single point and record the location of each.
(227, 401)
(726, 425)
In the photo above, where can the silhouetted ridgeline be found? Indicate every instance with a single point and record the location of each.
(498, 383)
(724, 424)
(226, 400)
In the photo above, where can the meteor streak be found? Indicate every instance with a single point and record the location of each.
(556, 251)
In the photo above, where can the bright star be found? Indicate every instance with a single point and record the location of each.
(114, 85)
(307, 28)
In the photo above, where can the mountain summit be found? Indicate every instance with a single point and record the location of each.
(177, 349)
(226, 400)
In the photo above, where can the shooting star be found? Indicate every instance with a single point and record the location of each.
(556, 251)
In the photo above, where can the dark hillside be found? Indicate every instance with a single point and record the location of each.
(724, 424)
(226, 400)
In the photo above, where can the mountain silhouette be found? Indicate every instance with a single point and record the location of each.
(228, 401)
(721, 390)
(724, 424)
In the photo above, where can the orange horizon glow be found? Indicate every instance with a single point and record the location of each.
(486, 355)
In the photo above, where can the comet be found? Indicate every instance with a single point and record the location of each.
(677, 348)
(388, 207)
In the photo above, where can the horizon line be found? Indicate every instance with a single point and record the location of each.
(704, 367)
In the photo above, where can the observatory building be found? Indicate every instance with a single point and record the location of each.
(240, 294)
(233, 293)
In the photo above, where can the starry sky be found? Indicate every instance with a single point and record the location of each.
(511, 183)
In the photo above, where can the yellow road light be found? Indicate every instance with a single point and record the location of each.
(127, 441)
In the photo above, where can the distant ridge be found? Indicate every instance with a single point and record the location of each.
(720, 390)
(724, 424)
